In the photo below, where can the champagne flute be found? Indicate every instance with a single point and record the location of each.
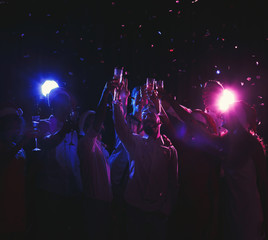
(150, 82)
(35, 121)
(160, 86)
(73, 120)
(118, 76)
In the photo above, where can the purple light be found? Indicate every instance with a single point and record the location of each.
(226, 100)
(218, 72)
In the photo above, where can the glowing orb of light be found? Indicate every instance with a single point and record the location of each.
(47, 86)
(226, 100)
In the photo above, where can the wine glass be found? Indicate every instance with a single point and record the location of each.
(35, 121)
(150, 82)
(118, 76)
(159, 85)
(73, 120)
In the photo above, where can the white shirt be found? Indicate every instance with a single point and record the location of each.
(153, 179)
(95, 169)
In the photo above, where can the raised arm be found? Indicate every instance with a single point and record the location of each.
(101, 109)
(121, 128)
(185, 116)
(169, 104)
(48, 140)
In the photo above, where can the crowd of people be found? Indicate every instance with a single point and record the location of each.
(173, 173)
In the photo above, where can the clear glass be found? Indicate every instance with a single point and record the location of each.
(73, 122)
(35, 122)
(150, 82)
(118, 76)
(160, 85)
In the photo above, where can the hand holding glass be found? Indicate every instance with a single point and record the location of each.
(35, 121)
(160, 85)
(118, 76)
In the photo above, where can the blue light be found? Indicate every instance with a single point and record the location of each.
(218, 72)
(47, 86)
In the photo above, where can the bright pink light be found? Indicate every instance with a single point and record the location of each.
(226, 100)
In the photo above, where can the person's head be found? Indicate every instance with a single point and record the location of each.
(151, 121)
(11, 124)
(204, 120)
(240, 115)
(86, 121)
(60, 102)
(211, 93)
(135, 97)
(137, 101)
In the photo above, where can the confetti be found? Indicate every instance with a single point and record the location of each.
(167, 39)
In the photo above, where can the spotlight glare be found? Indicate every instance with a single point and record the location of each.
(226, 100)
(47, 86)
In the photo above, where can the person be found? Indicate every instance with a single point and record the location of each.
(152, 186)
(58, 183)
(245, 176)
(244, 182)
(197, 210)
(13, 212)
(95, 171)
(119, 158)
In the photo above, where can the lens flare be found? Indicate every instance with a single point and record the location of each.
(226, 100)
(47, 86)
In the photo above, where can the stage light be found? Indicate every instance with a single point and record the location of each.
(47, 86)
(226, 100)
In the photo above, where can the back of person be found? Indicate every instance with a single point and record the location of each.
(148, 186)
(197, 216)
(243, 213)
(245, 177)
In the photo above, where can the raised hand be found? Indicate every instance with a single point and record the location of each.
(124, 92)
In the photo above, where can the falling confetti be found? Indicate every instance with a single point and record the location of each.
(186, 43)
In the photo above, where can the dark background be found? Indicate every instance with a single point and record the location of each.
(184, 43)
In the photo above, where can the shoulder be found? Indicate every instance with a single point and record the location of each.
(45, 125)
